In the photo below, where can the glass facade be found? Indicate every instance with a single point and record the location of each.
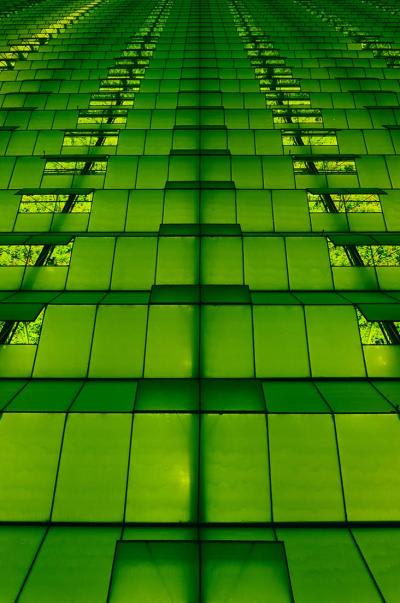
(199, 301)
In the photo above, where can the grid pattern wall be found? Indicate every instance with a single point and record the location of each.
(199, 301)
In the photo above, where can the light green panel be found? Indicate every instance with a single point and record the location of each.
(158, 142)
(278, 172)
(87, 255)
(65, 557)
(181, 207)
(308, 263)
(36, 222)
(118, 342)
(31, 445)
(304, 468)
(121, 172)
(254, 210)
(65, 341)
(247, 571)
(18, 545)
(6, 168)
(49, 278)
(27, 172)
(234, 465)
(381, 549)
(280, 342)
(163, 469)
(184, 168)
(105, 396)
(215, 167)
(334, 342)
(45, 396)
(290, 211)
(226, 341)
(92, 474)
(388, 277)
(354, 278)
(108, 211)
(9, 388)
(131, 142)
(134, 263)
(391, 209)
(351, 141)
(9, 203)
(247, 172)
(353, 396)
(372, 171)
(17, 361)
(268, 142)
(155, 571)
(172, 342)
(368, 447)
(221, 261)
(265, 263)
(325, 565)
(152, 172)
(145, 209)
(218, 207)
(292, 396)
(178, 261)
(11, 277)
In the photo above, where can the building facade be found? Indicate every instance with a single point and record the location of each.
(199, 301)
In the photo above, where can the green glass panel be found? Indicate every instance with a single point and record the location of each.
(265, 263)
(353, 396)
(155, 571)
(163, 469)
(334, 342)
(92, 474)
(221, 261)
(178, 261)
(105, 396)
(45, 396)
(308, 263)
(369, 445)
(118, 342)
(389, 389)
(232, 394)
(87, 255)
(325, 565)
(293, 397)
(234, 466)
(167, 395)
(108, 211)
(172, 341)
(65, 341)
(121, 172)
(69, 554)
(381, 549)
(280, 342)
(128, 271)
(226, 341)
(304, 468)
(251, 571)
(218, 206)
(254, 211)
(8, 389)
(18, 545)
(31, 445)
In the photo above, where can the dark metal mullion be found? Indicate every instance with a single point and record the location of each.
(200, 589)
(366, 565)
(36, 555)
(8, 331)
(340, 467)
